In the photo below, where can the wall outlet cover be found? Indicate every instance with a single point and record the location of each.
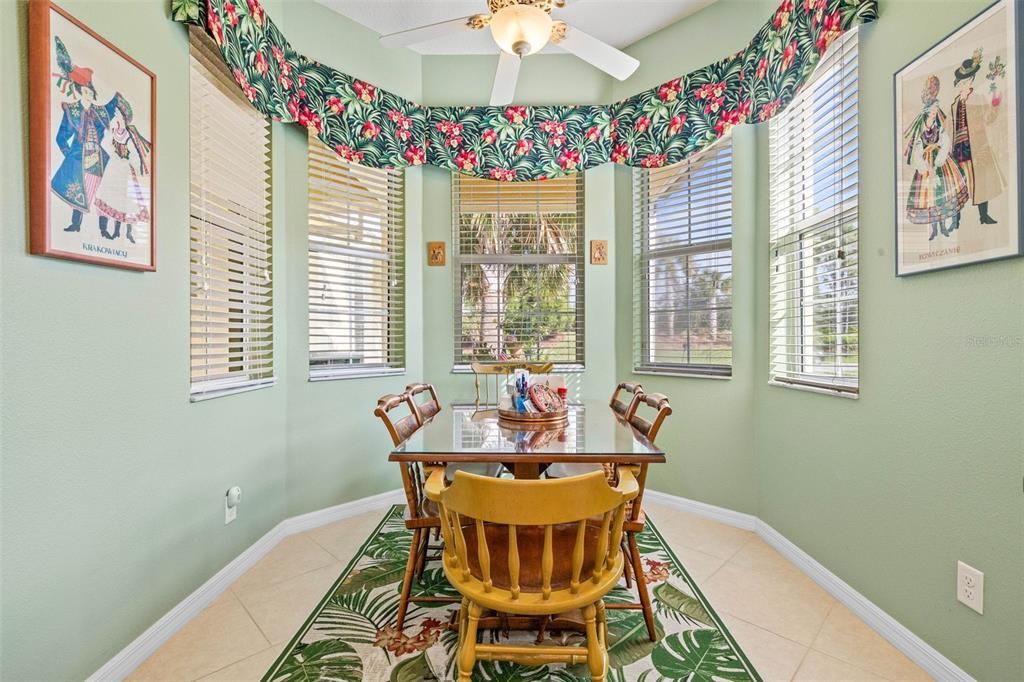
(970, 587)
(230, 513)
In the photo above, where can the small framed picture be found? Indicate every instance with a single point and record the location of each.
(92, 150)
(435, 253)
(957, 150)
(599, 252)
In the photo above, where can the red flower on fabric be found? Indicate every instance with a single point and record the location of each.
(335, 105)
(394, 115)
(569, 159)
(593, 134)
(310, 119)
(260, 62)
(415, 155)
(762, 68)
(556, 140)
(670, 91)
(711, 90)
(653, 160)
(466, 160)
(676, 124)
(620, 154)
(403, 134)
(613, 129)
(449, 127)
(364, 90)
(216, 27)
(370, 130)
(285, 81)
(256, 11)
(503, 174)
(656, 571)
(348, 154)
(515, 115)
(239, 76)
(781, 18)
(229, 8)
(523, 147)
(302, 81)
(454, 141)
(769, 110)
(278, 54)
(818, 9)
(293, 108)
(714, 104)
(788, 55)
(831, 30)
(489, 136)
(642, 124)
(552, 127)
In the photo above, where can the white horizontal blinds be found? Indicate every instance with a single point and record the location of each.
(519, 267)
(682, 269)
(814, 255)
(230, 261)
(356, 267)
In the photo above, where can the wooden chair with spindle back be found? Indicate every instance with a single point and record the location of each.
(620, 407)
(635, 519)
(428, 408)
(532, 548)
(421, 515)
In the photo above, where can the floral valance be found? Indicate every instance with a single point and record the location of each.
(662, 125)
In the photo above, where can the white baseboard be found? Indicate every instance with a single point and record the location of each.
(133, 655)
(912, 646)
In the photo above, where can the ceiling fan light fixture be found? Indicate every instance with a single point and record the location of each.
(521, 29)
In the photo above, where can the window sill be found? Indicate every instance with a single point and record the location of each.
(558, 369)
(352, 374)
(683, 374)
(815, 389)
(212, 393)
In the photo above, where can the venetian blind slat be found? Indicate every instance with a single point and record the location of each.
(356, 267)
(682, 265)
(814, 182)
(231, 265)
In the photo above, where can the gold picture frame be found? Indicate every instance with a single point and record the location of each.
(599, 252)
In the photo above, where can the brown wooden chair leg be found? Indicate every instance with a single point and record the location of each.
(410, 568)
(641, 586)
(421, 562)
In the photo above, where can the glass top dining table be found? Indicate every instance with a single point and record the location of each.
(593, 434)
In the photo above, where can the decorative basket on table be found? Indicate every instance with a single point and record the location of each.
(551, 411)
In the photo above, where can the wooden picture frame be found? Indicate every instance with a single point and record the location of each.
(92, 145)
(599, 252)
(959, 167)
(435, 254)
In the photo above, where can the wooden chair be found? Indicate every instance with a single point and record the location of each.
(500, 371)
(622, 408)
(635, 519)
(428, 408)
(421, 515)
(532, 548)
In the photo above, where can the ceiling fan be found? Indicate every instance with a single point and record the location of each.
(521, 28)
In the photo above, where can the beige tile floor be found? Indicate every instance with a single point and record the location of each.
(787, 625)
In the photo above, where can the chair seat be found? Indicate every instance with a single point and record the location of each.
(530, 541)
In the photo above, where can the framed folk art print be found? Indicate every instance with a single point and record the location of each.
(958, 147)
(92, 119)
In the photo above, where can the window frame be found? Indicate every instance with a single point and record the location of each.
(642, 257)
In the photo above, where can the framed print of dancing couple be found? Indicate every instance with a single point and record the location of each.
(92, 116)
(958, 144)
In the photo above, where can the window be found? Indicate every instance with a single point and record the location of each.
(230, 260)
(814, 187)
(682, 266)
(518, 257)
(356, 268)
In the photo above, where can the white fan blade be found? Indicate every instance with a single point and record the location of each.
(505, 79)
(424, 33)
(601, 55)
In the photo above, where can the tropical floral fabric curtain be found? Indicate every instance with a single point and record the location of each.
(662, 125)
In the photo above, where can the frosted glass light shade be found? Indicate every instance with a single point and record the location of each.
(521, 29)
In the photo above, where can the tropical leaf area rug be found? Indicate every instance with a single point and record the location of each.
(350, 635)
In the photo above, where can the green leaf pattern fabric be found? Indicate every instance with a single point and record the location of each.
(663, 125)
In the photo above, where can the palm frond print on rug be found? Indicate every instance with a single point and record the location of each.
(350, 634)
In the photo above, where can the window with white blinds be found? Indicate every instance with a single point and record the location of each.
(813, 249)
(682, 265)
(230, 259)
(356, 267)
(519, 266)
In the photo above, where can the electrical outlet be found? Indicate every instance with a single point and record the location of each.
(231, 499)
(970, 586)
(230, 513)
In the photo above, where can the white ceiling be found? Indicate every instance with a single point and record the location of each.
(617, 22)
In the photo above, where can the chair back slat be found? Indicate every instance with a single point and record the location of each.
(602, 547)
(513, 560)
(428, 408)
(460, 546)
(483, 555)
(577, 556)
(622, 408)
(547, 562)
